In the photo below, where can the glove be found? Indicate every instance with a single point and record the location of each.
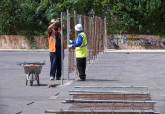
(69, 46)
(70, 41)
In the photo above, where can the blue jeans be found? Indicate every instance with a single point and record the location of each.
(55, 68)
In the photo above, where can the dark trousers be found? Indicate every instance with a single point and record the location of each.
(81, 66)
(55, 67)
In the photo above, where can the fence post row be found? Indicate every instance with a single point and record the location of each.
(94, 27)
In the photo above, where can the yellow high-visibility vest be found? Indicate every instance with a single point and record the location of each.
(82, 51)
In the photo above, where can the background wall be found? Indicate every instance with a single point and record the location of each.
(21, 42)
(133, 41)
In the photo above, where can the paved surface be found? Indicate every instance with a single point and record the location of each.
(109, 69)
(15, 97)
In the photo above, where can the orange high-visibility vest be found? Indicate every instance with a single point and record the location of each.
(52, 44)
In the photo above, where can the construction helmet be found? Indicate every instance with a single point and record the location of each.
(53, 21)
(78, 27)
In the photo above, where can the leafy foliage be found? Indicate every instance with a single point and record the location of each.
(31, 17)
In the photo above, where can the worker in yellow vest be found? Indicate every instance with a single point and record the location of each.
(81, 50)
(54, 40)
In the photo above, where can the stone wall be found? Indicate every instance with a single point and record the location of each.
(21, 42)
(41, 42)
(131, 41)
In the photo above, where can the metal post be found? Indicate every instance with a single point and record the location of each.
(105, 34)
(96, 45)
(75, 22)
(68, 38)
(62, 56)
(90, 38)
(95, 36)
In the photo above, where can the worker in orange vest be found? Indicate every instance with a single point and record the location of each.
(54, 40)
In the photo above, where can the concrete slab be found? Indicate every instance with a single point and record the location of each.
(108, 69)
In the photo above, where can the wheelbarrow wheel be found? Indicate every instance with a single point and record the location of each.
(38, 80)
(26, 82)
(27, 78)
(31, 80)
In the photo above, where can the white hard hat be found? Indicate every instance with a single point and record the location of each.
(78, 27)
(53, 21)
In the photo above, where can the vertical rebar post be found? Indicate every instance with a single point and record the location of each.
(90, 39)
(94, 39)
(105, 33)
(75, 22)
(68, 38)
(96, 33)
(62, 56)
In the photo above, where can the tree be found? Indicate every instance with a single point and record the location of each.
(123, 16)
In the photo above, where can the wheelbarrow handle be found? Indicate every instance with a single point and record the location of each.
(36, 63)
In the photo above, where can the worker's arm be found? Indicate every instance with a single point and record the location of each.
(50, 27)
(77, 42)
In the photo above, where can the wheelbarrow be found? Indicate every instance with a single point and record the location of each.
(32, 71)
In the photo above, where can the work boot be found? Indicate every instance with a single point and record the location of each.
(80, 79)
(51, 78)
(83, 78)
(58, 78)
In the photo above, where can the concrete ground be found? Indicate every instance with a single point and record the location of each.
(108, 69)
(15, 96)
